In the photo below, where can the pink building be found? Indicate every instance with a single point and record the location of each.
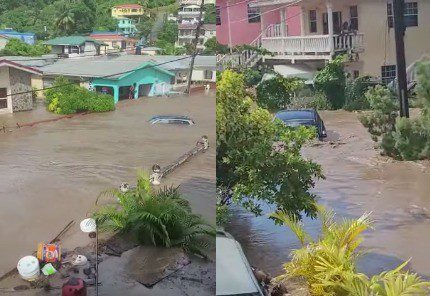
(239, 22)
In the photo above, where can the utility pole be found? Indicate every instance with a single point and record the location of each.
(195, 42)
(399, 32)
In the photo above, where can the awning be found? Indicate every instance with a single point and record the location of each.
(289, 71)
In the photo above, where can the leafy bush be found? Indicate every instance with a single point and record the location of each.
(328, 263)
(250, 167)
(212, 46)
(16, 47)
(318, 101)
(382, 118)
(67, 98)
(411, 139)
(331, 80)
(276, 93)
(159, 218)
(355, 91)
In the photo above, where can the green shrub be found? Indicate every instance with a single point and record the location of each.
(159, 218)
(252, 76)
(318, 101)
(329, 262)
(66, 98)
(331, 80)
(276, 93)
(355, 91)
(411, 138)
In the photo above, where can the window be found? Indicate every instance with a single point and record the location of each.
(388, 73)
(353, 14)
(253, 14)
(313, 21)
(3, 98)
(218, 16)
(410, 14)
(208, 74)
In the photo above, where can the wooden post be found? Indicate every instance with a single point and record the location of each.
(330, 27)
(399, 32)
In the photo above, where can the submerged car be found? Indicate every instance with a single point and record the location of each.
(305, 117)
(234, 275)
(171, 119)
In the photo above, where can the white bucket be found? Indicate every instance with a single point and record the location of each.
(88, 225)
(28, 268)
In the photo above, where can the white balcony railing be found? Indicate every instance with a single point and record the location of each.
(313, 45)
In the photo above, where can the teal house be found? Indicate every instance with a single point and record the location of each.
(145, 81)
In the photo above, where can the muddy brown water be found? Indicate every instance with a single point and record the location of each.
(52, 173)
(358, 180)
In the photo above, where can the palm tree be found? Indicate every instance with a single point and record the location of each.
(65, 20)
(328, 263)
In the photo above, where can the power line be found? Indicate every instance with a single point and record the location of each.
(106, 76)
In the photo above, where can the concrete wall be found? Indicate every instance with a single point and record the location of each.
(4, 83)
(20, 81)
(379, 42)
(199, 75)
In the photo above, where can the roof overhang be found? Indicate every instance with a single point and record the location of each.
(7, 63)
(263, 3)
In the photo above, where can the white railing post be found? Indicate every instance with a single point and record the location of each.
(330, 26)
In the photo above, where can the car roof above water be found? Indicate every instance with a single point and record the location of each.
(170, 117)
(303, 114)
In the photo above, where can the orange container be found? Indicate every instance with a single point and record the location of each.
(49, 253)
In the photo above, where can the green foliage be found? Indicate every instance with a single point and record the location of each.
(169, 48)
(169, 33)
(67, 98)
(145, 25)
(355, 91)
(159, 218)
(258, 159)
(210, 14)
(213, 47)
(328, 263)
(16, 47)
(331, 80)
(276, 93)
(316, 101)
(382, 118)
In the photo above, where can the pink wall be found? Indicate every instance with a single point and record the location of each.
(243, 32)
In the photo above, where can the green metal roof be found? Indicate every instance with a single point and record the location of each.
(72, 40)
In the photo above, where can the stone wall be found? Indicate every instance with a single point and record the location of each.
(20, 81)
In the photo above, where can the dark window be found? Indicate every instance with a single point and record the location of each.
(3, 98)
(313, 21)
(356, 74)
(353, 13)
(208, 74)
(388, 73)
(410, 14)
(253, 14)
(218, 16)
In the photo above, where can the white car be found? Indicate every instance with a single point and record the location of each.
(234, 275)
(171, 119)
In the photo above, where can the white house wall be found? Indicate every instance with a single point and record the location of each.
(5, 83)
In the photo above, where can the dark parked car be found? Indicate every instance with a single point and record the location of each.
(305, 117)
(171, 119)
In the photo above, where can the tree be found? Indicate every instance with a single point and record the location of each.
(16, 47)
(169, 32)
(258, 159)
(210, 14)
(213, 47)
(65, 20)
(331, 80)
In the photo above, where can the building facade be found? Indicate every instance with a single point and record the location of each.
(239, 22)
(127, 26)
(127, 10)
(114, 42)
(29, 38)
(15, 87)
(362, 29)
(75, 46)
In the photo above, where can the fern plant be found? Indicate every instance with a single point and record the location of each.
(159, 218)
(328, 263)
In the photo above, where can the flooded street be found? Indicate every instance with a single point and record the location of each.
(53, 172)
(358, 181)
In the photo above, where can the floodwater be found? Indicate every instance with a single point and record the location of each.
(358, 180)
(52, 173)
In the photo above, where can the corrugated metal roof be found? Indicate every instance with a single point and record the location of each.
(71, 40)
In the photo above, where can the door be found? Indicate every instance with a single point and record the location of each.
(337, 22)
(144, 89)
(3, 98)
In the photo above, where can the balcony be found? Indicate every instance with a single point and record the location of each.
(312, 47)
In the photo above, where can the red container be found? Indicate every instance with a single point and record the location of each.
(74, 287)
